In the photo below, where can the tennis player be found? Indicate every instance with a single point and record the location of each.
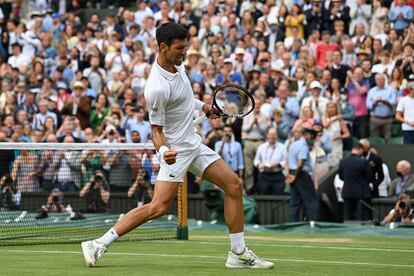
(171, 103)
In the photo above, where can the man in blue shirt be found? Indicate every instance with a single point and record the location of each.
(381, 101)
(401, 15)
(270, 161)
(231, 152)
(288, 105)
(300, 175)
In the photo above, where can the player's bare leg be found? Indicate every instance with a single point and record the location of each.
(239, 256)
(221, 175)
(164, 194)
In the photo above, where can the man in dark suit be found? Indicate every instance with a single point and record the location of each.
(375, 163)
(356, 174)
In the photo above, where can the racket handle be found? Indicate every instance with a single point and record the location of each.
(200, 119)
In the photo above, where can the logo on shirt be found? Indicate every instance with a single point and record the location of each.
(154, 109)
(172, 175)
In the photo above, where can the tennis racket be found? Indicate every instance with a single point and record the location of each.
(230, 100)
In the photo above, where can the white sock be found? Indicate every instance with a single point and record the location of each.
(109, 237)
(237, 243)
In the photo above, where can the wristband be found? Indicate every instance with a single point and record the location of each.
(392, 212)
(162, 150)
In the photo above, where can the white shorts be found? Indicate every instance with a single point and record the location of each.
(195, 161)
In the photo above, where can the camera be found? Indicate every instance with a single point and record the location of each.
(55, 199)
(402, 205)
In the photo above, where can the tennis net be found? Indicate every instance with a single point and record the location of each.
(63, 193)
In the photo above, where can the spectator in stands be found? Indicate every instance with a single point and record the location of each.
(270, 161)
(356, 174)
(375, 163)
(316, 102)
(337, 130)
(19, 59)
(231, 152)
(406, 61)
(255, 126)
(92, 161)
(95, 193)
(337, 68)
(381, 101)
(314, 17)
(10, 195)
(78, 105)
(49, 161)
(405, 114)
(306, 119)
(215, 134)
(402, 212)
(360, 12)
(140, 124)
(29, 105)
(379, 17)
(68, 171)
(287, 105)
(7, 157)
(404, 182)
(325, 48)
(357, 96)
(300, 175)
(40, 118)
(120, 172)
(25, 172)
(401, 15)
(98, 113)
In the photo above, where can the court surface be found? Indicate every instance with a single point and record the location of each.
(205, 254)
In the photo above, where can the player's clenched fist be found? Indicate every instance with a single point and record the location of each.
(169, 156)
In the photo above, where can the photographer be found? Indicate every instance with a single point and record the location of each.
(96, 195)
(54, 202)
(53, 205)
(402, 211)
(10, 196)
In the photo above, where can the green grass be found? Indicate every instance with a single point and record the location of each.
(205, 254)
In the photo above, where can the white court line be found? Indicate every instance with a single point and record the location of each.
(211, 257)
(304, 246)
(316, 247)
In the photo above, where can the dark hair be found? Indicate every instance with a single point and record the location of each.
(169, 31)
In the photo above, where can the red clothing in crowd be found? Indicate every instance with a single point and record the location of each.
(322, 49)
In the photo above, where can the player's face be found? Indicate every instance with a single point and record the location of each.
(175, 53)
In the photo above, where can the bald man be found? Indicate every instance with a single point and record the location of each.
(404, 183)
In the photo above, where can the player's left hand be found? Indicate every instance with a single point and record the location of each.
(169, 156)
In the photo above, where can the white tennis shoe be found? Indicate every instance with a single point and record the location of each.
(247, 260)
(92, 251)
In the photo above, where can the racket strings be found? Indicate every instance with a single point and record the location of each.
(233, 102)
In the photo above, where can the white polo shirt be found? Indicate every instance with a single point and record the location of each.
(171, 103)
(406, 106)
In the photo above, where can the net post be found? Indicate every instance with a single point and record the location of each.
(182, 221)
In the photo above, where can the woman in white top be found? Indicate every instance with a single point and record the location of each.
(336, 128)
(379, 17)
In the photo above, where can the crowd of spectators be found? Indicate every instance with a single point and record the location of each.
(322, 72)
